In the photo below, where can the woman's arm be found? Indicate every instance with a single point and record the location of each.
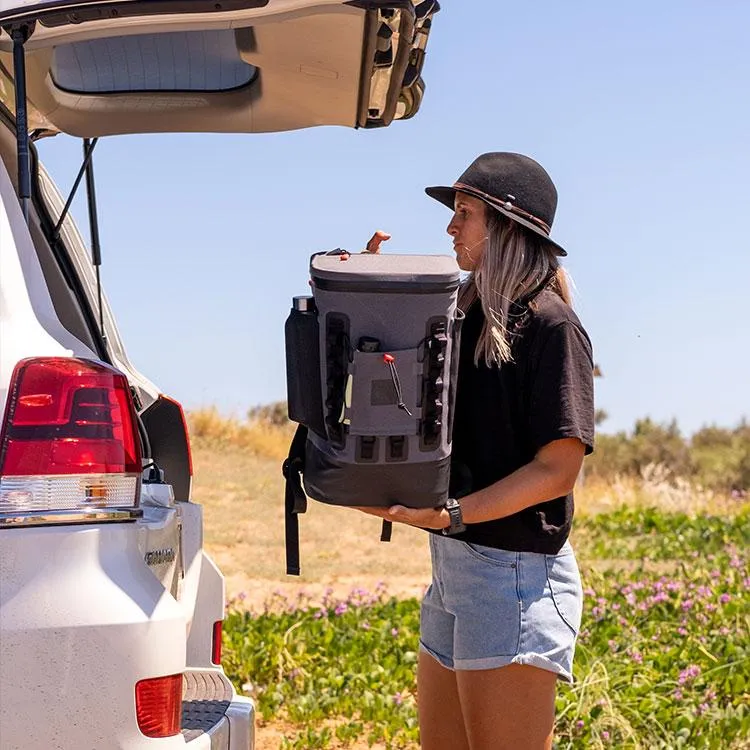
(551, 474)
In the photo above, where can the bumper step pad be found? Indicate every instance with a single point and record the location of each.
(206, 696)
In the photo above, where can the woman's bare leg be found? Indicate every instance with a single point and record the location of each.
(509, 708)
(441, 724)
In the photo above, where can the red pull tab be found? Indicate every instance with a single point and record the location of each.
(388, 359)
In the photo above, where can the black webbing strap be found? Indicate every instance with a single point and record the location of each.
(295, 500)
(385, 532)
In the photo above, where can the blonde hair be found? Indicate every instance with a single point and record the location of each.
(515, 262)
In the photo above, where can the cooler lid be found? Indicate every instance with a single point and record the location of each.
(387, 269)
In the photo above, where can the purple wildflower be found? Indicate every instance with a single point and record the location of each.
(677, 694)
(687, 604)
(605, 735)
(394, 632)
(341, 607)
(724, 598)
(398, 699)
(365, 625)
(580, 724)
(689, 674)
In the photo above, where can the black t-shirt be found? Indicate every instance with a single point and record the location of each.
(505, 415)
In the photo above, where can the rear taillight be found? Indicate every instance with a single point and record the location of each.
(216, 643)
(158, 705)
(69, 439)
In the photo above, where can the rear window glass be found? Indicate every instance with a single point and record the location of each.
(174, 61)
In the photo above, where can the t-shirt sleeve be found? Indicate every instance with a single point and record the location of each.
(562, 388)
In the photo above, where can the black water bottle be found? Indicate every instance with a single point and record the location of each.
(304, 395)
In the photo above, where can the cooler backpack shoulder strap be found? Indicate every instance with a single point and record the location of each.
(294, 498)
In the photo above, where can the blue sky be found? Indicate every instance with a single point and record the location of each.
(641, 114)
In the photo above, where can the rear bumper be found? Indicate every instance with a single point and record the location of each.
(82, 620)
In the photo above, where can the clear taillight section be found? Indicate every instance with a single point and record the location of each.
(69, 438)
(158, 705)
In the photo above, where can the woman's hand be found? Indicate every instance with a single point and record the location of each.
(424, 518)
(373, 246)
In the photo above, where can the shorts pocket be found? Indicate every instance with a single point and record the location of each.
(564, 582)
(501, 557)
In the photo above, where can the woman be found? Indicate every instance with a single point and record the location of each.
(500, 620)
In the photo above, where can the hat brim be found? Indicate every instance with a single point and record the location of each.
(447, 196)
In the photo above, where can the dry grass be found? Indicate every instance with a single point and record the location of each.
(208, 429)
(655, 488)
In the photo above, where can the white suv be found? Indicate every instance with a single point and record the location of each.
(110, 610)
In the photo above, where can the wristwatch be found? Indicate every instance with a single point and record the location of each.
(457, 523)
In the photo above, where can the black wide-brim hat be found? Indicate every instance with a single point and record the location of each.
(513, 184)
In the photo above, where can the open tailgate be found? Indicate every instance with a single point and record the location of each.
(97, 68)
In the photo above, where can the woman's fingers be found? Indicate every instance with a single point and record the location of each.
(373, 246)
(425, 518)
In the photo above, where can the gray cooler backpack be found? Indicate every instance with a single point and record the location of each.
(371, 370)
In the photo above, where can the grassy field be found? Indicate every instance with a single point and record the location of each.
(663, 657)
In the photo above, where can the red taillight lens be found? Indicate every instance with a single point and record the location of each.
(216, 643)
(69, 438)
(158, 705)
(69, 416)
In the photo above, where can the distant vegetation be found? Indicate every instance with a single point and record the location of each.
(714, 458)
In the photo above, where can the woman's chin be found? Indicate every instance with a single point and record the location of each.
(464, 263)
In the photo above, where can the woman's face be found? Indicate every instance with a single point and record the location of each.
(468, 227)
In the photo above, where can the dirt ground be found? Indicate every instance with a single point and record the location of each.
(243, 504)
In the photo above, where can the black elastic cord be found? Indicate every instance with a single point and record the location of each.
(391, 362)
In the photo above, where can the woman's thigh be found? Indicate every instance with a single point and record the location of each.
(441, 724)
(508, 708)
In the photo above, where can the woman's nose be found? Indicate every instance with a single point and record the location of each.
(452, 229)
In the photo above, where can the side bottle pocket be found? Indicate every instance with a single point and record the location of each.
(303, 386)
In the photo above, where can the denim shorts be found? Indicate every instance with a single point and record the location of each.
(488, 608)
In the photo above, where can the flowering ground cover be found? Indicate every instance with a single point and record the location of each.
(663, 657)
